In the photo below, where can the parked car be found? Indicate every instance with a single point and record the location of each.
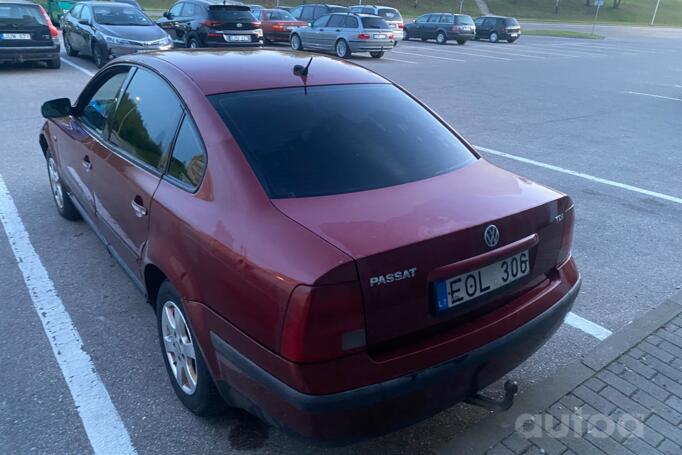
(441, 27)
(254, 7)
(105, 30)
(277, 24)
(358, 259)
(56, 9)
(211, 23)
(345, 33)
(495, 28)
(27, 34)
(310, 13)
(391, 15)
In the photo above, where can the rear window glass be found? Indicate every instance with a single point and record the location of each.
(338, 138)
(230, 13)
(511, 22)
(466, 20)
(337, 9)
(280, 15)
(20, 15)
(390, 14)
(374, 22)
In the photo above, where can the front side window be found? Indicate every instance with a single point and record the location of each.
(189, 159)
(321, 22)
(434, 18)
(335, 21)
(296, 12)
(76, 11)
(146, 119)
(319, 11)
(189, 10)
(421, 19)
(338, 138)
(96, 111)
(86, 14)
(176, 9)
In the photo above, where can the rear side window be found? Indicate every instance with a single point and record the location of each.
(189, 159)
(445, 19)
(337, 9)
(390, 14)
(230, 13)
(307, 13)
(350, 22)
(146, 119)
(102, 102)
(320, 11)
(465, 20)
(321, 22)
(374, 22)
(338, 138)
(20, 15)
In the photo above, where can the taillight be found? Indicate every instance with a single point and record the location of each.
(567, 236)
(401, 26)
(323, 323)
(278, 27)
(455, 28)
(211, 23)
(391, 36)
(363, 36)
(54, 33)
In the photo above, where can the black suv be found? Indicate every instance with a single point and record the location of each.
(441, 27)
(211, 23)
(26, 34)
(309, 13)
(497, 28)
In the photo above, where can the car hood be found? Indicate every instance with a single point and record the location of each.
(133, 32)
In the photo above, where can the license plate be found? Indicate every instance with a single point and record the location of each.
(379, 36)
(467, 286)
(290, 27)
(15, 36)
(238, 37)
(514, 35)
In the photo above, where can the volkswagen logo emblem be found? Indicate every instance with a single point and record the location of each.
(491, 236)
(239, 25)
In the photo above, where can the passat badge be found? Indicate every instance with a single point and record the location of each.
(491, 236)
(392, 277)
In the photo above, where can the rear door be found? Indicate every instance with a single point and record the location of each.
(331, 31)
(128, 167)
(22, 25)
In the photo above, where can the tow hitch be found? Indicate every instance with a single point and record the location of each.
(511, 388)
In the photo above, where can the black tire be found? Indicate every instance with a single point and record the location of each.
(205, 400)
(70, 51)
(193, 43)
(377, 54)
(461, 42)
(54, 64)
(511, 40)
(66, 209)
(265, 41)
(424, 39)
(296, 43)
(98, 55)
(441, 38)
(406, 35)
(342, 49)
(494, 37)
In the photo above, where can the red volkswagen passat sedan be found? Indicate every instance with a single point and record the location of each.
(341, 270)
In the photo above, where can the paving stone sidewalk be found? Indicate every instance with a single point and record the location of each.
(623, 398)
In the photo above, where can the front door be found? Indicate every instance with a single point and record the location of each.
(431, 26)
(130, 164)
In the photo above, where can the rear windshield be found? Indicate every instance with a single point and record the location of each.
(374, 22)
(230, 13)
(120, 15)
(466, 20)
(338, 9)
(20, 15)
(338, 138)
(280, 15)
(390, 14)
(511, 22)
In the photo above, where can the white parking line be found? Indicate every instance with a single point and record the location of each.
(78, 67)
(429, 56)
(454, 51)
(655, 96)
(398, 60)
(101, 421)
(589, 327)
(582, 175)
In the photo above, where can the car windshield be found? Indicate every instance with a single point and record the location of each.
(279, 15)
(374, 22)
(390, 14)
(20, 15)
(230, 13)
(120, 15)
(338, 138)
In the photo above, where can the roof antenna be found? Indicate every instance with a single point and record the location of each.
(302, 71)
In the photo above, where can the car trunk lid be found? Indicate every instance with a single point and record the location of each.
(406, 238)
(22, 25)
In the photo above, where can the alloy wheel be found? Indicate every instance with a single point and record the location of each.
(179, 347)
(55, 183)
(341, 49)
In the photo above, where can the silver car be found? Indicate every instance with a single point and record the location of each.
(345, 33)
(391, 15)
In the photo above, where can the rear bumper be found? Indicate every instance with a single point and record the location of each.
(386, 406)
(370, 46)
(29, 54)
(461, 36)
(280, 37)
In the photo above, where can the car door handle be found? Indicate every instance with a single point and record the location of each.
(138, 208)
(86, 163)
(338, 29)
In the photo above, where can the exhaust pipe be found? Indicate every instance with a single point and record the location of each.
(511, 388)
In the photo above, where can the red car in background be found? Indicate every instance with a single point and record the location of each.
(341, 270)
(277, 24)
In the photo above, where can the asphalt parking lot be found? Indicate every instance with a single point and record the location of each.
(598, 120)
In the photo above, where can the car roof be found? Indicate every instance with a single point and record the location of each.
(235, 70)
(19, 2)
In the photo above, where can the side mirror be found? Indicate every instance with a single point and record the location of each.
(60, 107)
(168, 15)
(84, 21)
